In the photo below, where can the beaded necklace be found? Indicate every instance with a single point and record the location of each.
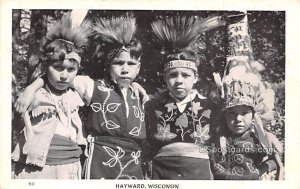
(61, 105)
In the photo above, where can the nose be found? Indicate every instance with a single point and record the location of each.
(239, 117)
(125, 69)
(64, 75)
(179, 79)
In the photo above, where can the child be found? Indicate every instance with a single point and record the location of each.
(241, 149)
(180, 119)
(116, 129)
(49, 144)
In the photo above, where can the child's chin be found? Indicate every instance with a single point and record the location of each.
(239, 131)
(124, 84)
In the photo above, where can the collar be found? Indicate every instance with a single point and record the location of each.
(190, 97)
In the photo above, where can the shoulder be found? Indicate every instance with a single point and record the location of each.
(207, 102)
(74, 99)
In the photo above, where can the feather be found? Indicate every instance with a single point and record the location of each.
(119, 30)
(63, 30)
(209, 23)
(178, 32)
(217, 79)
(77, 16)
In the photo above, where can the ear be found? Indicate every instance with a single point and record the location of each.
(196, 79)
(164, 76)
(139, 67)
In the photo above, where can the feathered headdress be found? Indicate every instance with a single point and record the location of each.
(176, 35)
(116, 32)
(66, 38)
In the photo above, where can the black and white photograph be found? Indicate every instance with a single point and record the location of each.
(163, 97)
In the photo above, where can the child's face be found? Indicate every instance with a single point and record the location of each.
(238, 118)
(62, 73)
(124, 69)
(180, 81)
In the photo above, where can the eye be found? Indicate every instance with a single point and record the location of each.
(186, 75)
(230, 114)
(118, 63)
(132, 63)
(71, 69)
(246, 112)
(172, 75)
(58, 68)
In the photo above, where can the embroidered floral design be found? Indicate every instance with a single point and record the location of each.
(247, 145)
(196, 107)
(218, 168)
(206, 113)
(171, 107)
(116, 159)
(201, 135)
(158, 113)
(237, 170)
(252, 169)
(238, 158)
(182, 121)
(163, 129)
(112, 107)
(138, 113)
(104, 108)
(136, 156)
(115, 156)
(163, 133)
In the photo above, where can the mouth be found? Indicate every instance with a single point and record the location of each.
(63, 83)
(179, 89)
(125, 78)
(240, 126)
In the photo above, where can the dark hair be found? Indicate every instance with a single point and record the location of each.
(135, 48)
(52, 52)
(223, 127)
(57, 50)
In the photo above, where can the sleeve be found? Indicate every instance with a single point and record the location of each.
(84, 85)
(267, 166)
(215, 116)
(151, 146)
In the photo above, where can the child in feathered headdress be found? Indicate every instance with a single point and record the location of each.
(116, 125)
(48, 147)
(179, 120)
(243, 150)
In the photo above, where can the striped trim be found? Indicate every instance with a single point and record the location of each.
(89, 153)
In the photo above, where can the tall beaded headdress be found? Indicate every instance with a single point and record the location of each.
(242, 83)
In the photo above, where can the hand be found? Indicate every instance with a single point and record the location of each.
(24, 100)
(27, 97)
(139, 90)
(276, 144)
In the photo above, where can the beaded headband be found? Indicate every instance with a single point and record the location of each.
(180, 64)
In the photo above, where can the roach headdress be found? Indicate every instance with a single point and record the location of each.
(177, 34)
(117, 33)
(66, 38)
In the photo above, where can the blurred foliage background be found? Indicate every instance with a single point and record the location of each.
(267, 30)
